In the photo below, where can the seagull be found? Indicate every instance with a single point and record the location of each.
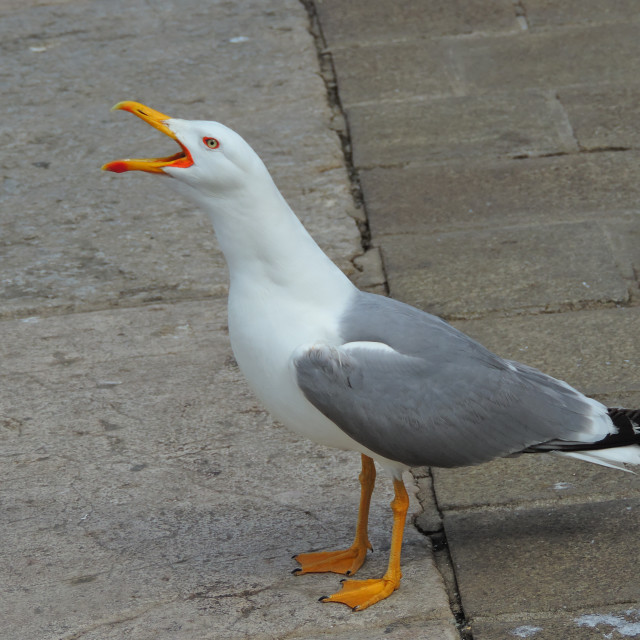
(362, 372)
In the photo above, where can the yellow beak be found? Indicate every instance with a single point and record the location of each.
(182, 159)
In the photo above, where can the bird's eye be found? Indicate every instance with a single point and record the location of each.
(212, 143)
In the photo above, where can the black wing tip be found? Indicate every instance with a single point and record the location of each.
(622, 414)
(626, 421)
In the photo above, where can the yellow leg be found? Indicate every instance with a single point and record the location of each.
(360, 594)
(347, 561)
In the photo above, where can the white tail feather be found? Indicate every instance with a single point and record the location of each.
(613, 458)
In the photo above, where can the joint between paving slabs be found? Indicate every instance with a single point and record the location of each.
(341, 126)
(443, 560)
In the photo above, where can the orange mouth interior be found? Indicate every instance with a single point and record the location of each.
(182, 159)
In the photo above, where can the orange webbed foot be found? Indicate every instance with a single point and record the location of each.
(360, 594)
(346, 561)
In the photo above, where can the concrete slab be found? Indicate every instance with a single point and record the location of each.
(545, 559)
(480, 194)
(542, 14)
(603, 116)
(399, 630)
(359, 21)
(624, 238)
(76, 238)
(457, 128)
(591, 624)
(147, 494)
(530, 60)
(467, 66)
(395, 71)
(531, 479)
(596, 351)
(568, 265)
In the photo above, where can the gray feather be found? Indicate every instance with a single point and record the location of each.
(441, 400)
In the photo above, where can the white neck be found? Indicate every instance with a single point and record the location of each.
(266, 246)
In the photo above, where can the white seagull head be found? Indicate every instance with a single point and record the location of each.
(214, 160)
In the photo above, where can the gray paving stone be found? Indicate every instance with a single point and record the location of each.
(467, 66)
(544, 267)
(603, 116)
(625, 244)
(590, 624)
(146, 494)
(358, 21)
(531, 478)
(399, 630)
(75, 238)
(594, 350)
(456, 128)
(546, 559)
(428, 199)
(547, 13)
(592, 54)
(160, 623)
(395, 71)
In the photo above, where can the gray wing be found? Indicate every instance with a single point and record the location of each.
(411, 388)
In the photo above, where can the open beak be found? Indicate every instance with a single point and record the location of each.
(182, 159)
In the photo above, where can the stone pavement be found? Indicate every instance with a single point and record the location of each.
(144, 492)
(496, 148)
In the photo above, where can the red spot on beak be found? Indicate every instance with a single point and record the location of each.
(117, 167)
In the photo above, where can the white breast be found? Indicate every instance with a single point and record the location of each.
(265, 328)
